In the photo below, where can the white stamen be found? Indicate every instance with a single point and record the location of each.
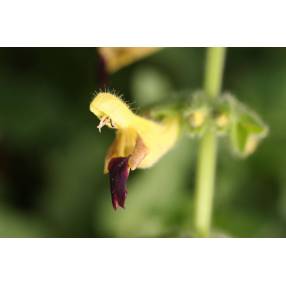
(102, 123)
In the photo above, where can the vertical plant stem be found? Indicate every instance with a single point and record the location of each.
(206, 165)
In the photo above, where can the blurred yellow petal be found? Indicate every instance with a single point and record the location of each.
(116, 58)
(159, 138)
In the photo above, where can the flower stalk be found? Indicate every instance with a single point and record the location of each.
(206, 164)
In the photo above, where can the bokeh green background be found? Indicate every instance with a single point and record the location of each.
(51, 154)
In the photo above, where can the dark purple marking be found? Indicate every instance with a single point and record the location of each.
(118, 174)
(102, 72)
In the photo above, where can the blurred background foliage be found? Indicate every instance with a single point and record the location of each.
(51, 154)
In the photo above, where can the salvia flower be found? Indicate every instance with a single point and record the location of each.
(139, 142)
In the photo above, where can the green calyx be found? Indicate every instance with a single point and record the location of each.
(229, 118)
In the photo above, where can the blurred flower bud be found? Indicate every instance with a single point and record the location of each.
(196, 115)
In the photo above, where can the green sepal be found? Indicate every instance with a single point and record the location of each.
(247, 128)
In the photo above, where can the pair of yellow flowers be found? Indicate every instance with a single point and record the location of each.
(139, 142)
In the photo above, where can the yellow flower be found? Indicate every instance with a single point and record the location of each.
(139, 142)
(116, 58)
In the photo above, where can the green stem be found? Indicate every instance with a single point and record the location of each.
(206, 165)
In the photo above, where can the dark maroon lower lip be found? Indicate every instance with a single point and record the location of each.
(118, 175)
